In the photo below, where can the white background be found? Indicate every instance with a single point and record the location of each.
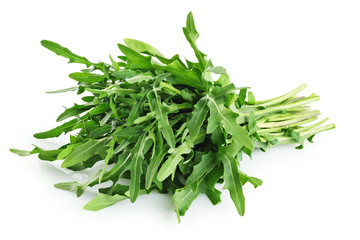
(272, 46)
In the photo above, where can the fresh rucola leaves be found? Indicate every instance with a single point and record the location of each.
(161, 124)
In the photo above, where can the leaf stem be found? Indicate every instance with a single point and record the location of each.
(282, 98)
(287, 106)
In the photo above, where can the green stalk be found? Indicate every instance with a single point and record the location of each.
(279, 129)
(295, 118)
(282, 98)
(306, 134)
(287, 106)
(302, 129)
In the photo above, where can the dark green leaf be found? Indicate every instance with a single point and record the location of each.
(232, 180)
(208, 162)
(73, 111)
(84, 151)
(135, 168)
(64, 52)
(64, 128)
(169, 166)
(183, 76)
(161, 114)
(183, 198)
(198, 117)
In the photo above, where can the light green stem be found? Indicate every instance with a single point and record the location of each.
(287, 106)
(282, 98)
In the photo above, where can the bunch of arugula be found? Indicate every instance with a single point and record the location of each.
(162, 124)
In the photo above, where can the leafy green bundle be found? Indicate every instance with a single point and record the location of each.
(157, 123)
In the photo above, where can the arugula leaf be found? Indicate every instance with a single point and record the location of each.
(142, 47)
(161, 115)
(73, 111)
(64, 52)
(67, 186)
(183, 76)
(87, 77)
(135, 168)
(192, 35)
(137, 109)
(198, 117)
(169, 166)
(207, 163)
(232, 180)
(227, 118)
(183, 198)
(155, 160)
(84, 151)
(102, 201)
(137, 61)
(55, 132)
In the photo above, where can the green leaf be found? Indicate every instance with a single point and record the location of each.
(124, 160)
(242, 96)
(115, 189)
(124, 73)
(251, 98)
(227, 118)
(73, 111)
(135, 168)
(55, 132)
(207, 163)
(113, 107)
(142, 47)
(47, 155)
(109, 154)
(139, 78)
(67, 186)
(156, 159)
(232, 180)
(102, 201)
(129, 131)
(64, 52)
(192, 35)
(169, 166)
(217, 70)
(212, 194)
(84, 151)
(182, 198)
(100, 131)
(183, 76)
(161, 115)
(99, 109)
(65, 152)
(137, 61)
(114, 64)
(220, 92)
(87, 77)
(252, 124)
(198, 117)
(64, 90)
(137, 108)
(21, 153)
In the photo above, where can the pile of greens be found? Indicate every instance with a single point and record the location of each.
(157, 123)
